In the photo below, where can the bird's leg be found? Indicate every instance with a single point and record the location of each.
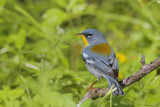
(90, 87)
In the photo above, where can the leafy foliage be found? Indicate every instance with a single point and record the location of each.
(40, 58)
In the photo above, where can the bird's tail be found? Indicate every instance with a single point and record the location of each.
(111, 81)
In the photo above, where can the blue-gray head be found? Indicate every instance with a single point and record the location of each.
(90, 36)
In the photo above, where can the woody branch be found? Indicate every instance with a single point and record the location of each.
(144, 70)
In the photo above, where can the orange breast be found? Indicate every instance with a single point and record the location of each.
(103, 49)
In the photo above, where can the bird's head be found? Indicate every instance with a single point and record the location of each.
(90, 36)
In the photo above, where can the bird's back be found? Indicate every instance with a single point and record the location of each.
(101, 57)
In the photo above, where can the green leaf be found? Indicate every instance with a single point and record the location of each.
(28, 16)
(20, 39)
(54, 17)
(63, 46)
(69, 101)
(2, 3)
(62, 3)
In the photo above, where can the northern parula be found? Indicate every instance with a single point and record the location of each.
(100, 58)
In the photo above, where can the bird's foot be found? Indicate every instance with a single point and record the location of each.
(91, 88)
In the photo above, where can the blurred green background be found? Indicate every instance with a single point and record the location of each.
(40, 58)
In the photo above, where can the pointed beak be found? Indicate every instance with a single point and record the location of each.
(79, 34)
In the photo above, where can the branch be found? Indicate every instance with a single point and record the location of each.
(144, 70)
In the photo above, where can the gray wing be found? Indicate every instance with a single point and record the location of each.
(107, 65)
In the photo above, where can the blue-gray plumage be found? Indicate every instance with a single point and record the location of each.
(100, 58)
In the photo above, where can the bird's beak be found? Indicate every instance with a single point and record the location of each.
(82, 35)
(79, 34)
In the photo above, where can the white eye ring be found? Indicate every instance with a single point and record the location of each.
(89, 36)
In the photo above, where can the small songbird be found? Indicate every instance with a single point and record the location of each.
(100, 58)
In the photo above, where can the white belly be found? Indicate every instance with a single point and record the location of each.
(93, 72)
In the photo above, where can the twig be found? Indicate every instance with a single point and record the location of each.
(144, 70)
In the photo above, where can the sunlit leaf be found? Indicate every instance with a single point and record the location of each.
(20, 39)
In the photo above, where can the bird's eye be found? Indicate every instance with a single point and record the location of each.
(89, 35)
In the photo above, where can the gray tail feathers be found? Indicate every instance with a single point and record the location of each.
(111, 81)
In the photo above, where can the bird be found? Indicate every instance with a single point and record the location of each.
(100, 59)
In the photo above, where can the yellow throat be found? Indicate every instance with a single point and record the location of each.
(84, 40)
